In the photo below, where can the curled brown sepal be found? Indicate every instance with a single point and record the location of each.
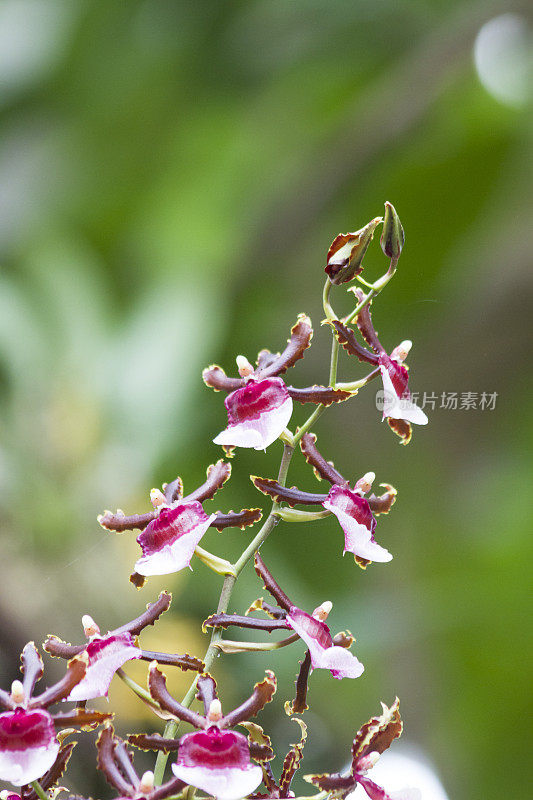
(148, 617)
(341, 785)
(292, 760)
(206, 691)
(346, 337)
(343, 639)
(183, 661)
(297, 344)
(292, 495)
(378, 733)
(137, 580)
(272, 611)
(320, 395)
(31, 667)
(321, 467)
(157, 686)
(57, 648)
(270, 584)
(365, 324)
(107, 762)
(173, 491)
(119, 522)
(299, 704)
(383, 503)
(401, 428)
(262, 694)
(241, 621)
(146, 741)
(84, 718)
(76, 669)
(215, 377)
(54, 774)
(259, 742)
(217, 475)
(237, 519)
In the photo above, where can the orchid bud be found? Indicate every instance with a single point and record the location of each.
(90, 628)
(157, 498)
(323, 611)
(401, 352)
(393, 236)
(147, 783)
(215, 711)
(244, 367)
(364, 484)
(345, 256)
(17, 692)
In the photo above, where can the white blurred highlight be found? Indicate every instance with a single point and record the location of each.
(405, 775)
(502, 55)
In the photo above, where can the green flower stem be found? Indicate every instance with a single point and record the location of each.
(354, 386)
(377, 287)
(310, 421)
(230, 646)
(219, 565)
(293, 515)
(328, 309)
(39, 791)
(136, 689)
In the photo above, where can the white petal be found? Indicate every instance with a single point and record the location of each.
(230, 783)
(176, 556)
(24, 766)
(358, 539)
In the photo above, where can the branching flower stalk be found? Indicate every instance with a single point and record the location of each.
(216, 759)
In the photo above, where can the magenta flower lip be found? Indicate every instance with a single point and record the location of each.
(28, 745)
(257, 414)
(168, 542)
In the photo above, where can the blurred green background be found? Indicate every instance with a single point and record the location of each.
(171, 177)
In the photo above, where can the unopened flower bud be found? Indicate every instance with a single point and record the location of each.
(393, 236)
(157, 498)
(401, 352)
(215, 711)
(147, 783)
(90, 628)
(244, 367)
(17, 692)
(323, 611)
(345, 256)
(364, 484)
(367, 762)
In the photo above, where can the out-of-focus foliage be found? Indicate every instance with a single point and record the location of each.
(171, 176)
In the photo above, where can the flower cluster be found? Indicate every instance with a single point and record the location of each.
(217, 758)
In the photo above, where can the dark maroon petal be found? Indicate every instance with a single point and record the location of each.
(320, 395)
(259, 743)
(270, 584)
(87, 719)
(299, 704)
(124, 762)
(366, 326)
(217, 475)
(321, 467)
(31, 668)
(299, 341)
(237, 519)
(157, 685)
(378, 733)
(154, 741)
(334, 782)
(292, 760)
(148, 617)
(401, 428)
(215, 377)
(76, 669)
(106, 762)
(346, 337)
(383, 503)
(214, 749)
(173, 491)
(292, 496)
(262, 694)
(206, 691)
(225, 620)
(59, 649)
(120, 522)
(184, 661)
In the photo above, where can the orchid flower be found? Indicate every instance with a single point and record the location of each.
(106, 654)
(171, 532)
(29, 746)
(213, 759)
